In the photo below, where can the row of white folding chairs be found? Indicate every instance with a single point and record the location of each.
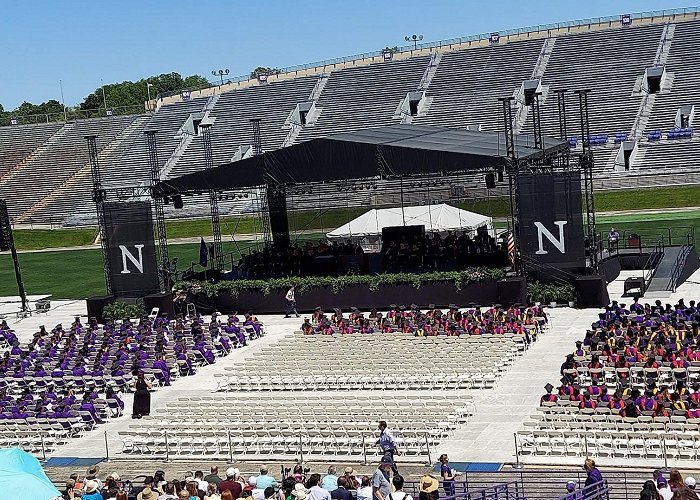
(615, 426)
(222, 444)
(331, 406)
(610, 444)
(446, 382)
(344, 398)
(403, 427)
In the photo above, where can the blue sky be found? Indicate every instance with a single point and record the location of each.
(81, 42)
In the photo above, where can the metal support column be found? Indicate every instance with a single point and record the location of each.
(512, 172)
(99, 196)
(586, 162)
(217, 258)
(561, 109)
(264, 206)
(536, 121)
(6, 225)
(163, 258)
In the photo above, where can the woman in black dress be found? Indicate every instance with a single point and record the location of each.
(142, 397)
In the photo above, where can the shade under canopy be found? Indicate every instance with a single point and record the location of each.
(436, 218)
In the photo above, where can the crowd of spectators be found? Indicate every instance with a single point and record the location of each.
(296, 484)
(636, 360)
(475, 320)
(74, 375)
(295, 260)
(433, 252)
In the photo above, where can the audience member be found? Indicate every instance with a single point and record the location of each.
(364, 491)
(330, 480)
(231, 483)
(342, 492)
(398, 493)
(316, 492)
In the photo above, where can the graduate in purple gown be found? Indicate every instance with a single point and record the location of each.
(162, 365)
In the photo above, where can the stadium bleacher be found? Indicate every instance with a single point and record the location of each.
(461, 89)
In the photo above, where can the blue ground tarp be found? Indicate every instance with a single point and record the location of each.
(22, 473)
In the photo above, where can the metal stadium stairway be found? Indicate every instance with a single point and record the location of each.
(669, 272)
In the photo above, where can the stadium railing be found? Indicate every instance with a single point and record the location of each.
(550, 28)
(73, 114)
(595, 491)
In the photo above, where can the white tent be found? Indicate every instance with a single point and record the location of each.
(436, 219)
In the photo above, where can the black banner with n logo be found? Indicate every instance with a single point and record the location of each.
(551, 219)
(131, 249)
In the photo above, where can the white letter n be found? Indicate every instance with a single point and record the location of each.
(139, 262)
(543, 231)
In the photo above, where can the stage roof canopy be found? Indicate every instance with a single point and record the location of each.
(436, 218)
(397, 150)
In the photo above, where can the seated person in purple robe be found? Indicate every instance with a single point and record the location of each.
(111, 394)
(162, 365)
(88, 406)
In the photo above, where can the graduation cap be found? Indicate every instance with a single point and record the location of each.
(431, 306)
(414, 306)
(548, 387)
(453, 306)
(353, 308)
(318, 308)
(392, 306)
(402, 307)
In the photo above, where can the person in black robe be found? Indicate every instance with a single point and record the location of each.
(142, 397)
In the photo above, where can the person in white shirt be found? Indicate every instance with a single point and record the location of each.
(202, 485)
(664, 490)
(291, 303)
(398, 493)
(315, 490)
(364, 492)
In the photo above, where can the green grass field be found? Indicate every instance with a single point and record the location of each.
(78, 273)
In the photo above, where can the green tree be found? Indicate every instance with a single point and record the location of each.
(262, 70)
(129, 93)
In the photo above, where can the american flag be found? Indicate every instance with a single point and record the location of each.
(511, 248)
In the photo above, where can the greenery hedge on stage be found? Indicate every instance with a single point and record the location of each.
(545, 293)
(337, 283)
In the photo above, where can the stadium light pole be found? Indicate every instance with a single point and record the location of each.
(148, 89)
(63, 101)
(220, 73)
(104, 96)
(415, 39)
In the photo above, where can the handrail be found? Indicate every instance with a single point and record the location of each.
(73, 114)
(597, 490)
(506, 490)
(678, 268)
(560, 276)
(652, 262)
(481, 37)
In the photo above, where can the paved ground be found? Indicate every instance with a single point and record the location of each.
(488, 437)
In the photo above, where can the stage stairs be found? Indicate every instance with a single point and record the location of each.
(675, 266)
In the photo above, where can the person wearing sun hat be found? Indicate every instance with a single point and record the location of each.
(91, 490)
(428, 487)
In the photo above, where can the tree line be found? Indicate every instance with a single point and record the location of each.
(122, 98)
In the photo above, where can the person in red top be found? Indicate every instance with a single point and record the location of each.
(231, 483)
(693, 411)
(587, 403)
(549, 397)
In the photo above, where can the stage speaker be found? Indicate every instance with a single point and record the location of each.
(591, 291)
(163, 301)
(5, 227)
(490, 181)
(277, 205)
(96, 305)
(512, 290)
(177, 201)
